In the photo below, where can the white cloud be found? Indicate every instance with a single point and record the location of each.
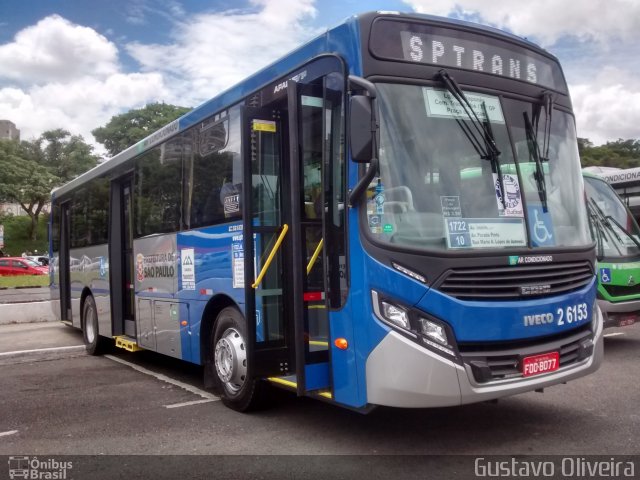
(547, 20)
(213, 51)
(54, 49)
(60, 75)
(78, 106)
(608, 107)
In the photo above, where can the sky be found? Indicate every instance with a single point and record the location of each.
(74, 64)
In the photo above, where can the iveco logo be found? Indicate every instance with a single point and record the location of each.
(535, 289)
(631, 281)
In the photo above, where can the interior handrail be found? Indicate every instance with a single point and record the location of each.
(274, 250)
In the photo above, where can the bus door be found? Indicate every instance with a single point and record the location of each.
(121, 257)
(267, 221)
(287, 264)
(64, 261)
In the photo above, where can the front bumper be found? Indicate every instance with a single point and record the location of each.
(401, 373)
(613, 311)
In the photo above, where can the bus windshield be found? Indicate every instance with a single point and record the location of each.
(613, 227)
(439, 190)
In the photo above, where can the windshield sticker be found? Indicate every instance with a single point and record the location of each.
(451, 206)
(375, 223)
(378, 199)
(605, 275)
(540, 227)
(485, 232)
(513, 200)
(441, 104)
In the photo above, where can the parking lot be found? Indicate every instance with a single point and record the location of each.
(154, 405)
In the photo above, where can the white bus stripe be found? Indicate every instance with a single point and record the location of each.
(185, 386)
(186, 404)
(43, 350)
(6, 434)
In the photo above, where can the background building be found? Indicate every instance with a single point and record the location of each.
(8, 130)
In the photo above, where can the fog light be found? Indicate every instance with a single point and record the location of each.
(434, 331)
(396, 315)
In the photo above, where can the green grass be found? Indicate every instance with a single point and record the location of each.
(25, 281)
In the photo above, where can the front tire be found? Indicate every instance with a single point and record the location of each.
(231, 361)
(94, 343)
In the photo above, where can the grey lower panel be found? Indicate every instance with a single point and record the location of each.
(400, 373)
(158, 325)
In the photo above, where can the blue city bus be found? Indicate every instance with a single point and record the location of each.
(315, 227)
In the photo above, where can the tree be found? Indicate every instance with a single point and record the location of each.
(125, 129)
(31, 169)
(620, 153)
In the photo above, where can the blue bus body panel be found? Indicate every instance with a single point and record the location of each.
(474, 321)
(213, 271)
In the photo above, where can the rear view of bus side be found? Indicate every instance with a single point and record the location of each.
(392, 214)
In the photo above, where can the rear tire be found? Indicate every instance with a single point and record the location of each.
(95, 344)
(233, 372)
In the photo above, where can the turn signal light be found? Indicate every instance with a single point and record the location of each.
(183, 323)
(341, 343)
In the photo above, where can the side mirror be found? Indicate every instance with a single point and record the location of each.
(360, 134)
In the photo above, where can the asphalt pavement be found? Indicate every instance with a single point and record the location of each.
(156, 405)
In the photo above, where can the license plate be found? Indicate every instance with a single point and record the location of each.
(627, 320)
(537, 364)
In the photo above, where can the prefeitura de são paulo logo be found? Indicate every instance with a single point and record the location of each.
(140, 267)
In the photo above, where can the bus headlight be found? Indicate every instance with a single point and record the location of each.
(396, 315)
(434, 331)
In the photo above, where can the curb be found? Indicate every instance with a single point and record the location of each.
(41, 354)
(28, 312)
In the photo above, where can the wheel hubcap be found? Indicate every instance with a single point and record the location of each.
(231, 359)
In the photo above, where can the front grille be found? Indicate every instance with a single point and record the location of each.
(494, 365)
(621, 290)
(516, 282)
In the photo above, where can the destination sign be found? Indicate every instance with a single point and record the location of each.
(446, 47)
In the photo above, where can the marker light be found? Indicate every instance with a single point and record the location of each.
(396, 315)
(341, 343)
(434, 331)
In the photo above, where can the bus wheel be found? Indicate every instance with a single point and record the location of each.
(94, 343)
(239, 391)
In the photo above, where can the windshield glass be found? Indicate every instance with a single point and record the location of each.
(438, 190)
(612, 225)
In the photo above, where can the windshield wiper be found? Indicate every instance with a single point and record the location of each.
(547, 103)
(534, 151)
(479, 134)
(596, 225)
(607, 221)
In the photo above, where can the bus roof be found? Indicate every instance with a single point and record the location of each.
(343, 39)
(621, 177)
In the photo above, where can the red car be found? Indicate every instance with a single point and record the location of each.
(21, 266)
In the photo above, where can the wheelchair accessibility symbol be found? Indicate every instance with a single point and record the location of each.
(540, 226)
(605, 275)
